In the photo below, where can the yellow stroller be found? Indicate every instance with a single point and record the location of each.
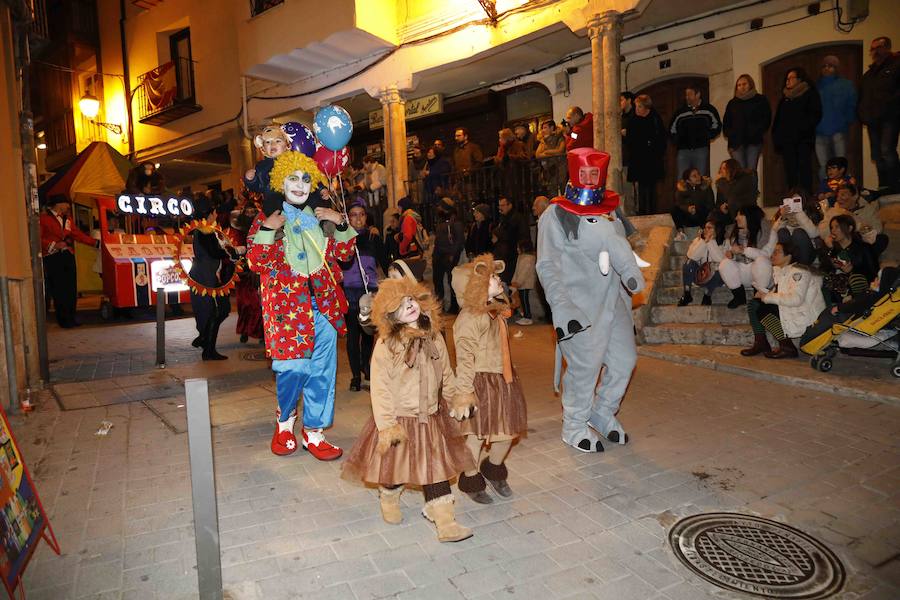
(867, 326)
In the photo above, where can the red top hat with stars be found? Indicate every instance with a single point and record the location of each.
(586, 192)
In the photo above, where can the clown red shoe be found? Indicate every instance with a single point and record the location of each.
(315, 443)
(283, 440)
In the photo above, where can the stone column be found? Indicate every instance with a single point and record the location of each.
(595, 34)
(611, 30)
(394, 107)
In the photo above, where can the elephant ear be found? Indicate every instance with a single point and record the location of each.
(569, 221)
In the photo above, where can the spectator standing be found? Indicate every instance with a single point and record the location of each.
(449, 242)
(410, 245)
(735, 188)
(510, 230)
(693, 126)
(391, 232)
(478, 240)
(552, 144)
(416, 169)
(838, 97)
(541, 204)
(58, 237)
(524, 135)
(747, 119)
(437, 178)
(509, 149)
(879, 110)
(375, 179)
(694, 201)
(467, 155)
(360, 272)
(794, 129)
(579, 128)
(524, 279)
(626, 105)
(645, 139)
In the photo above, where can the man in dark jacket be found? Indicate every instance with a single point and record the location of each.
(510, 230)
(645, 141)
(879, 110)
(694, 125)
(449, 242)
(211, 267)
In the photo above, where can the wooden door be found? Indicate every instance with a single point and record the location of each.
(667, 97)
(810, 59)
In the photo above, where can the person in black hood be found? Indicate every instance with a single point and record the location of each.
(794, 128)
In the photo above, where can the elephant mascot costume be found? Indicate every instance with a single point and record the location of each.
(588, 271)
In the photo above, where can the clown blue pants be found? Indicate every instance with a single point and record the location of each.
(313, 377)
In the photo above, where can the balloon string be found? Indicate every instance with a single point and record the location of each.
(362, 271)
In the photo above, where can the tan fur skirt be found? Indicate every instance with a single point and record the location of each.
(502, 413)
(435, 451)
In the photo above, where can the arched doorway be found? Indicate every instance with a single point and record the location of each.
(667, 97)
(810, 59)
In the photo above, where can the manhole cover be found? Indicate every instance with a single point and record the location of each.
(756, 556)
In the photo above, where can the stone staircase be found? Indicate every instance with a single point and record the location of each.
(694, 324)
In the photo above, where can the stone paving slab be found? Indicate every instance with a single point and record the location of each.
(578, 526)
(852, 376)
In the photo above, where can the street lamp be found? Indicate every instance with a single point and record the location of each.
(90, 107)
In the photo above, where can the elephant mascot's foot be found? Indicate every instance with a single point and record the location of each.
(616, 438)
(584, 441)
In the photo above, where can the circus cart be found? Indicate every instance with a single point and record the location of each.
(138, 233)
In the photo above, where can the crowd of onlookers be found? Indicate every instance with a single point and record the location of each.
(822, 247)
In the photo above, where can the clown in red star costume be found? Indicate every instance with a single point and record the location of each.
(302, 302)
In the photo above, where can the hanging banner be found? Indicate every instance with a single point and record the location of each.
(23, 521)
(415, 109)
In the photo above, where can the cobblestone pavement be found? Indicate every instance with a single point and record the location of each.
(578, 526)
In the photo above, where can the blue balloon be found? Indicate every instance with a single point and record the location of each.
(302, 139)
(333, 127)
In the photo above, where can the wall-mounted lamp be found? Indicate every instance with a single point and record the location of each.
(90, 107)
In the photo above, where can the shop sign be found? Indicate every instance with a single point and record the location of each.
(153, 206)
(415, 109)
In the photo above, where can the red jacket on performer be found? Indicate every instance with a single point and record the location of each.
(286, 304)
(52, 233)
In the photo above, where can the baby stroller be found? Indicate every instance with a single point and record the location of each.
(865, 326)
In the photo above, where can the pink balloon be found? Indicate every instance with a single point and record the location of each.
(332, 162)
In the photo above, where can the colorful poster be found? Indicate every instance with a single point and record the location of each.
(22, 518)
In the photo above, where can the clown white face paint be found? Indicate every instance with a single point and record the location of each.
(297, 186)
(409, 311)
(495, 287)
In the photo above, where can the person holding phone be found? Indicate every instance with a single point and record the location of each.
(847, 264)
(747, 260)
(796, 223)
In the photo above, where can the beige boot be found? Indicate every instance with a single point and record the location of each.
(440, 512)
(390, 504)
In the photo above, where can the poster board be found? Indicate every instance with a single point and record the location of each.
(23, 521)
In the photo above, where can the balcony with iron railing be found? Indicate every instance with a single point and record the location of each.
(166, 93)
(518, 181)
